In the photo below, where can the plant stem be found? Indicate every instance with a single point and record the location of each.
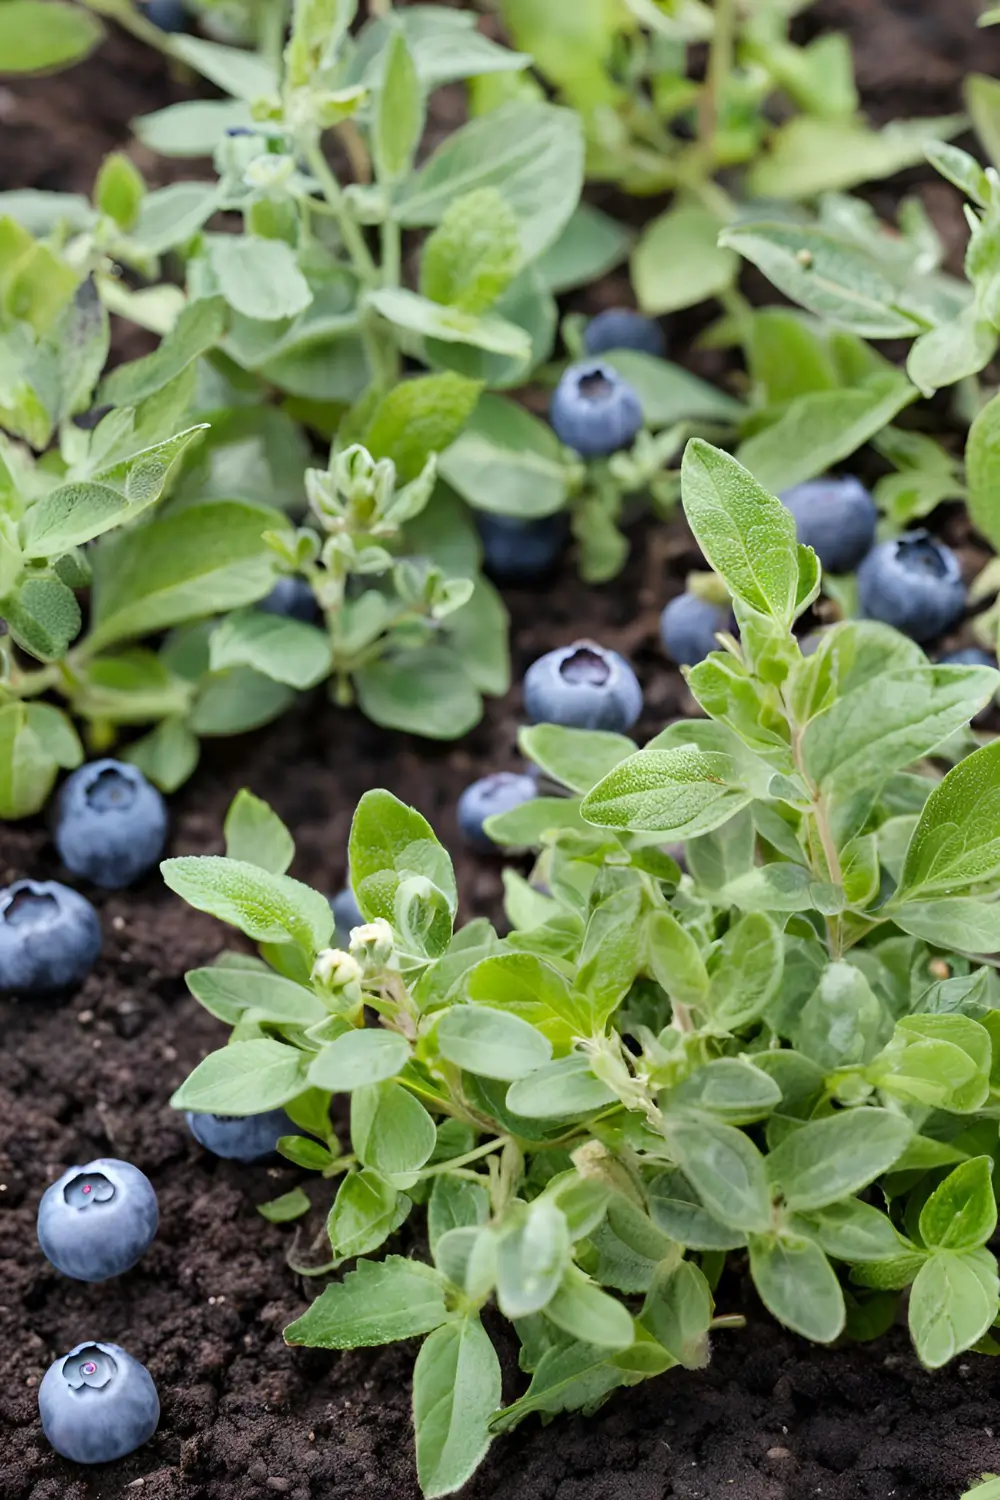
(720, 62)
(350, 230)
(271, 21)
(463, 1161)
(392, 252)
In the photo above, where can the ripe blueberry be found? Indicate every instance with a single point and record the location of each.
(582, 686)
(688, 627)
(518, 551)
(168, 15)
(914, 583)
(96, 1221)
(621, 328)
(111, 823)
(50, 937)
(97, 1403)
(498, 793)
(291, 596)
(346, 914)
(836, 518)
(240, 1137)
(968, 656)
(594, 410)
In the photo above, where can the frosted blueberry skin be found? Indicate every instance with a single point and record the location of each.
(96, 1221)
(293, 598)
(518, 551)
(111, 823)
(243, 1138)
(582, 686)
(688, 627)
(623, 328)
(346, 914)
(167, 15)
(913, 583)
(498, 793)
(594, 410)
(97, 1404)
(836, 518)
(50, 937)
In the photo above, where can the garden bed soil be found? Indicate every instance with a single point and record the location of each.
(245, 1418)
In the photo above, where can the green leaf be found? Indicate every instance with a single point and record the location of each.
(982, 467)
(358, 1058)
(507, 461)
(809, 155)
(730, 1088)
(559, 1090)
(192, 128)
(228, 992)
(269, 908)
(889, 723)
(256, 835)
(746, 534)
(286, 650)
(243, 74)
(947, 354)
(843, 1022)
(579, 1307)
(259, 278)
(745, 973)
(678, 1313)
(198, 329)
(723, 1166)
(119, 189)
(568, 1377)
(578, 758)
(675, 959)
(953, 1301)
(406, 309)
(528, 825)
(43, 616)
(286, 1208)
(167, 756)
(37, 36)
(419, 417)
(423, 692)
(851, 1231)
(961, 1213)
(27, 771)
(455, 1203)
(830, 1159)
(982, 98)
(456, 1389)
(491, 1043)
(195, 561)
(390, 1129)
(677, 793)
(390, 842)
(669, 393)
(399, 112)
(956, 841)
(590, 245)
(532, 153)
(245, 1078)
(796, 1283)
(957, 922)
(819, 430)
(533, 1254)
(474, 253)
(940, 1060)
(378, 1303)
(679, 262)
(831, 277)
(366, 1211)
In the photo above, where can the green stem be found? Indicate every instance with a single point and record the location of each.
(271, 22)
(350, 230)
(392, 252)
(470, 1156)
(720, 63)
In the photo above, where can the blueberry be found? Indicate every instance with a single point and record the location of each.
(968, 656)
(913, 583)
(97, 1403)
(582, 686)
(240, 1137)
(836, 518)
(96, 1221)
(499, 793)
(346, 914)
(594, 410)
(111, 823)
(518, 551)
(50, 937)
(621, 328)
(292, 597)
(688, 627)
(167, 15)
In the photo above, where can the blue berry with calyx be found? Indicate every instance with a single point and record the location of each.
(913, 583)
(243, 1138)
(836, 518)
(582, 686)
(167, 15)
(346, 914)
(98, 1220)
(688, 627)
(594, 410)
(111, 823)
(50, 937)
(623, 328)
(293, 598)
(97, 1403)
(519, 551)
(499, 793)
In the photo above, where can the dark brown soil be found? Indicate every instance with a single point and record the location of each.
(245, 1418)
